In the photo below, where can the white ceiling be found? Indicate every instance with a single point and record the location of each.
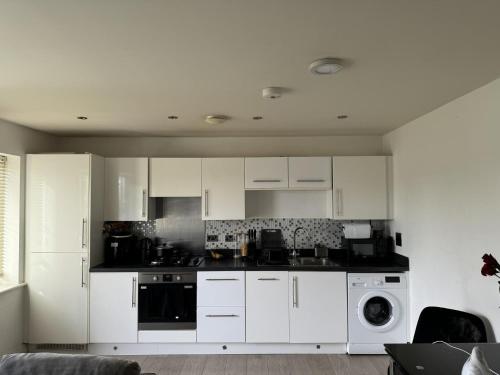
(128, 64)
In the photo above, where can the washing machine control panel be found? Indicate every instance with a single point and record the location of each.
(377, 281)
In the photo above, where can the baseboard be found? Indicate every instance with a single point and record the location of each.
(230, 348)
(366, 348)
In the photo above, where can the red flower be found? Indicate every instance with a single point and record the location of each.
(490, 266)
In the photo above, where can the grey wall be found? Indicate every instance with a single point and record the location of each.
(223, 146)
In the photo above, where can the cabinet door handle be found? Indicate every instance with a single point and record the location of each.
(221, 279)
(83, 273)
(268, 279)
(341, 202)
(311, 180)
(134, 296)
(295, 293)
(221, 316)
(144, 202)
(84, 240)
(267, 180)
(206, 202)
(340, 209)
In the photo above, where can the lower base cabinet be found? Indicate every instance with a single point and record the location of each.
(267, 307)
(113, 307)
(221, 324)
(318, 307)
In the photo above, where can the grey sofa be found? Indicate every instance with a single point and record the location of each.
(65, 364)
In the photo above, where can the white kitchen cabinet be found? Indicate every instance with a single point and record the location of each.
(113, 307)
(310, 173)
(64, 216)
(220, 324)
(220, 306)
(126, 189)
(266, 173)
(175, 177)
(57, 203)
(318, 307)
(360, 190)
(223, 188)
(267, 307)
(220, 288)
(58, 292)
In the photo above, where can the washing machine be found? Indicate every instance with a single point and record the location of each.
(377, 311)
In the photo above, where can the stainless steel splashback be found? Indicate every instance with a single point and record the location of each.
(179, 223)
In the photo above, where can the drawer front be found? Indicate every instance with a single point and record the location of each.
(221, 288)
(221, 324)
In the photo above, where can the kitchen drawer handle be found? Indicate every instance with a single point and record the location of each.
(221, 279)
(268, 279)
(221, 316)
(311, 180)
(268, 180)
(134, 296)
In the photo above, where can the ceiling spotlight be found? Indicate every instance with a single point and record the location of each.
(328, 65)
(342, 117)
(82, 118)
(172, 117)
(257, 118)
(216, 119)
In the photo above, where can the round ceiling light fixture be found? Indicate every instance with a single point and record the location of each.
(272, 92)
(216, 119)
(81, 117)
(327, 65)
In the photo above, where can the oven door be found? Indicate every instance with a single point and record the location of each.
(168, 306)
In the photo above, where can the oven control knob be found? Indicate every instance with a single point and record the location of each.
(178, 278)
(155, 278)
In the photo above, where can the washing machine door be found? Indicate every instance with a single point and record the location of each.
(378, 311)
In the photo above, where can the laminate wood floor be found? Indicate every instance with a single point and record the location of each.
(276, 364)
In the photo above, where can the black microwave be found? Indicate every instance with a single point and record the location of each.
(368, 248)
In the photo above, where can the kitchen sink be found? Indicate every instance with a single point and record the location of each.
(312, 261)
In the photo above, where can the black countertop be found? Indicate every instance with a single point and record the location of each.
(394, 263)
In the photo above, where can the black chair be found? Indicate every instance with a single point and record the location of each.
(441, 324)
(453, 326)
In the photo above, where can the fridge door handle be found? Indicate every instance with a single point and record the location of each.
(84, 284)
(84, 227)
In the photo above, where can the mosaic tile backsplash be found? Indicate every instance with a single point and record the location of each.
(323, 231)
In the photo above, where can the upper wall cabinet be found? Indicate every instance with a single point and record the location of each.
(175, 177)
(126, 189)
(223, 189)
(360, 187)
(310, 173)
(266, 173)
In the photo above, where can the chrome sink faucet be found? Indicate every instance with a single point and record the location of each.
(294, 252)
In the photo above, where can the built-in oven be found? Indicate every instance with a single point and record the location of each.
(167, 301)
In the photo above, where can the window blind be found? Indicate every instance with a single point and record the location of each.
(3, 206)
